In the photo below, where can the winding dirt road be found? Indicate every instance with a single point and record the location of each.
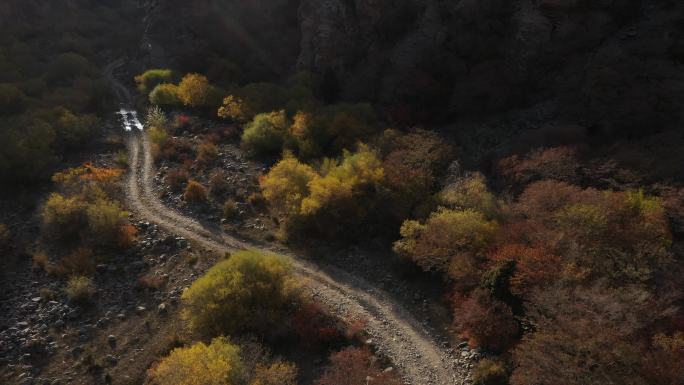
(394, 331)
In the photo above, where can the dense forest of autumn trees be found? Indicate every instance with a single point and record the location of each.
(535, 267)
(562, 264)
(566, 261)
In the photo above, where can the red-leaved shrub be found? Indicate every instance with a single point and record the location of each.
(486, 322)
(315, 327)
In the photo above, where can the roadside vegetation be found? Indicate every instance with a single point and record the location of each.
(251, 293)
(85, 224)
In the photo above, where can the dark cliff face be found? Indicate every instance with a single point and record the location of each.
(32, 13)
(613, 64)
(261, 36)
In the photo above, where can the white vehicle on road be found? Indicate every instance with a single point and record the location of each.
(129, 118)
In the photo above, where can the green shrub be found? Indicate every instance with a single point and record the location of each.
(256, 200)
(191, 259)
(490, 372)
(80, 289)
(342, 183)
(265, 134)
(165, 94)
(218, 363)
(349, 123)
(247, 291)
(263, 97)
(151, 78)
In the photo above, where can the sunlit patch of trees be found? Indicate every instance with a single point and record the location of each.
(235, 108)
(83, 210)
(83, 218)
(165, 94)
(216, 363)
(148, 80)
(376, 186)
(254, 292)
(193, 90)
(249, 290)
(339, 193)
(222, 363)
(266, 133)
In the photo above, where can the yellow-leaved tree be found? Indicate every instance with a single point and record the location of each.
(250, 290)
(218, 363)
(340, 194)
(194, 90)
(287, 184)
